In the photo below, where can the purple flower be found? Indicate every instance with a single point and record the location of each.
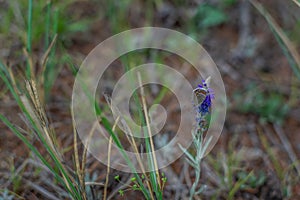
(202, 99)
(204, 107)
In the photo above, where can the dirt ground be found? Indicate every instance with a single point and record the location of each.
(247, 55)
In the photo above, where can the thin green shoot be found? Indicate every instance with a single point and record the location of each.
(238, 185)
(28, 70)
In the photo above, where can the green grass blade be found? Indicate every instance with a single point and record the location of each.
(238, 185)
(31, 147)
(29, 26)
(47, 24)
(29, 35)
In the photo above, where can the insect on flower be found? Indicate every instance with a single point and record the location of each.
(202, 97)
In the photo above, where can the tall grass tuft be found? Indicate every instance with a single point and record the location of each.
(151, 184)
(34, 115)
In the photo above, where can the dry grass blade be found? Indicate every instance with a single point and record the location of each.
(84, 155)
(130, 138)
(296, 2)
(279, 34)
(128, 132)
(94, 183)
(288, 147)
(43, 64)
(38, 114)
(107, 170)
(108, 160)
(42, 191)
(149, 129)
(30, 63)
(46, 55)
(80, 167)
(91, 133)
(76, 154)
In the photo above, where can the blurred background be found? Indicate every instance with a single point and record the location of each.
(255, 45)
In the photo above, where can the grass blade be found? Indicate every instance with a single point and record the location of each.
(286, 45)
(297, 2)
(29, 71)
(238, 185)
(29, 26)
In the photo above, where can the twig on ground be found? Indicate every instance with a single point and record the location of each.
(288, 147)
(42, 191)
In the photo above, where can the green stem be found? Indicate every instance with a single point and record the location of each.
(29, 25)
(29, 32)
